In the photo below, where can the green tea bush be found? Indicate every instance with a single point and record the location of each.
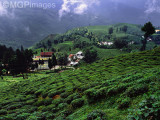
(148, 109)
(3, 112)
(14, 106)
(44, 94)
(67, 112)
(72, 97)
(124, 103)
(96, 115)
(22, 116)
(37, 93)
(91, 95)
(39, 103)
(57, 102)
(77, 103)
(30, 102)
(48, 101)
(65, 94)
(52, 93)
(136, 90)
(62, 105)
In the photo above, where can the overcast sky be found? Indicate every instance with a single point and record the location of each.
(81, 6)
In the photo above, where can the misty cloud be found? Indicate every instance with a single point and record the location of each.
(3, 11)
(76, 6)
(152, 6)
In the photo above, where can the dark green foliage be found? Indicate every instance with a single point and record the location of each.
(50, 65)
(110, 30)
(90, 55)
(120, 43)
(48, 101)
(125, 28)
(147, 109)
(54, 60)
(70, 98)
(124, 103)
(96, 115)
(77, 103)
(136, 90)
(62, 105)
(149, 30)
(3, 112)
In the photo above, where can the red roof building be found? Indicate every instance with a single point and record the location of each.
(46, 54)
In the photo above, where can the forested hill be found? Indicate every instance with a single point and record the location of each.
(93, 36)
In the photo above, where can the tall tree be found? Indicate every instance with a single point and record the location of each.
(149, 30)
(50, 65)
(110, 30)
(125, 28)
(54, 60)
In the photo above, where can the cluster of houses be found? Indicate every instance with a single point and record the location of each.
(106, 43)
(73, 59)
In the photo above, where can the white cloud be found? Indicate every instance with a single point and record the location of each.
(76, 6)
(81, 9)
(3, 11)
(152, 6)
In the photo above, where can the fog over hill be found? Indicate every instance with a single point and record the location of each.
(26, 25)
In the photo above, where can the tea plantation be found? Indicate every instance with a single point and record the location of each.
(125, 87)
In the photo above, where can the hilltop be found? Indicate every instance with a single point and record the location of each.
(121, 87)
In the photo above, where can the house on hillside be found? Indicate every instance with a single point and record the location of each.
(106, 43)
(75, 58)
(157, 30)
(44, 56)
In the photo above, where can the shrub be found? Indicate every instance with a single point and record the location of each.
(136, 90)
(22, 116)
(57, 102)
(91, 95)
(124, 103)
(67, 112)
(55, 92)
(15, 106)
(3, 112)
(39, 103)
(62, 105)
(47, 101)
(96, 115)
(65, 94)
(37, 93)
(72, 97)
(148, 109)
(77, 103)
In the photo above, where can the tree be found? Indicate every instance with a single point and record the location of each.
(149, 30)
(110, 30)
(49, 43)
(54, 60)
(50, 65)
(120, 43)
(125, 28)
(62, 59)
(90, 55)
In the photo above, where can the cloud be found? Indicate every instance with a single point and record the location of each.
(3, 11)
(152, 6)
(76, 6)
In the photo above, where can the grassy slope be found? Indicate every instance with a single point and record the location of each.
(100, 32)
(104, 85)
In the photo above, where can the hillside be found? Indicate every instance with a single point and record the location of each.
(80, 38)
(116, 88)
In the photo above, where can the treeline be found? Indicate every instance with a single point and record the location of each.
(15, 62)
